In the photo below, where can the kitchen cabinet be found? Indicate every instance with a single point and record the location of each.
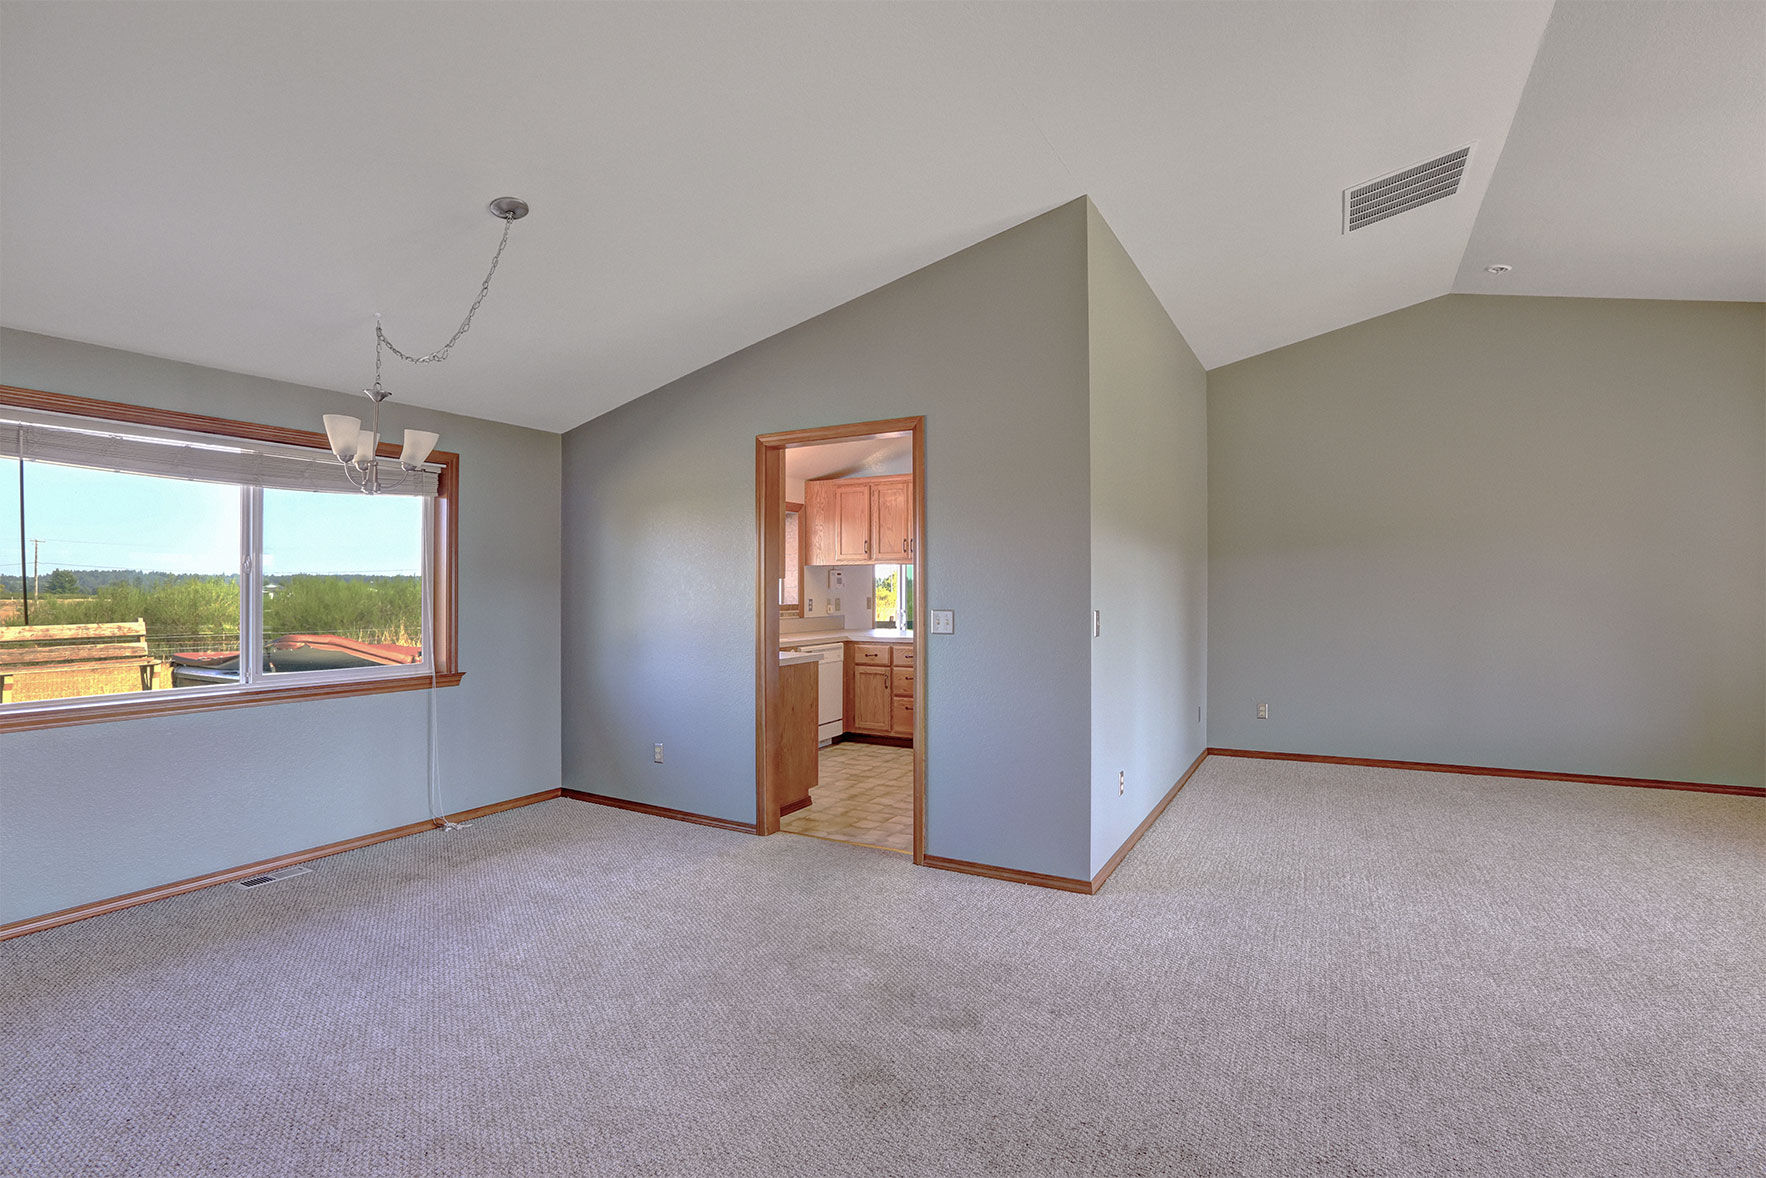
(860, 521)
(852, 522)
(892, 522)
(901, 716)
(819, 520)
(797, 735)
(870, 699)
(901, 690)
(882, 695)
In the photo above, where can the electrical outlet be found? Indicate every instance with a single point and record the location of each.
(1121, 781)
(1263, 711)
(658, 757)
(1097, 623)
(836, 605)
(1198, 713)
(811, 607)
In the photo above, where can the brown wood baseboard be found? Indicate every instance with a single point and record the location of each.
(1128, 845)
(34, 924)
(1059, 883)
(1063, 883)
(794, 807)
(1749, 791)
(660, 811)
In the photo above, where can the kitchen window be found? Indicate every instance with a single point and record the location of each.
(893, 597)
(157, 562)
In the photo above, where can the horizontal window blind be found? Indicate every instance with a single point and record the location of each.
(244, 464)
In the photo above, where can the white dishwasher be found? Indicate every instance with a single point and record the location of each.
(830, 689)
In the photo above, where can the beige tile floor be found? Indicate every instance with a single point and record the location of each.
(864, 794)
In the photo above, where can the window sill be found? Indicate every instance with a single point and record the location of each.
(177, 701)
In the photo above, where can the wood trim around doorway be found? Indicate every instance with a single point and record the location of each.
(769, 487)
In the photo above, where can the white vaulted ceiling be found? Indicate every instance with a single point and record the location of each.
(244, 185)
(1637, 166)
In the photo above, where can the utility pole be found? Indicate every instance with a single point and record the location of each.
(21, 543)
(36, 570)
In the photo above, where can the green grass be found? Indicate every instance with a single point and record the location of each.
(202, 613)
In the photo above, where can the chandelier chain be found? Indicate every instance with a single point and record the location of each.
(441, 353)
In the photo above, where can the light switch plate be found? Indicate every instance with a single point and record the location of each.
(944, 621)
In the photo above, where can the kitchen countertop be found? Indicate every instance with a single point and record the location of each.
(824, 637)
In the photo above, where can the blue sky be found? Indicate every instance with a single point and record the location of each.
(97, 519)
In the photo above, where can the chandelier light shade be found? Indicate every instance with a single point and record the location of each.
(418, 444)
(357, 448)
(341, 431)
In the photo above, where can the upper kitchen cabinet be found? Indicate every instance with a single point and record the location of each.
(852, 523)
(860, 521)
(892, 521)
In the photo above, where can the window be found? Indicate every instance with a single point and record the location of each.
(893, 597)
(791, 580)
(141, 552)
(343, 581)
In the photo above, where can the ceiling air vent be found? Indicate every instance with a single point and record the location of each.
(1387, 196)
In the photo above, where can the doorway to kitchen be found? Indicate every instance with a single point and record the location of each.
(840, 750)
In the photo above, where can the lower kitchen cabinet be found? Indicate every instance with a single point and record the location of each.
(901, 716)
(881, 700)
(870, 700)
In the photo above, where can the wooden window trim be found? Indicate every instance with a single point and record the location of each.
(444, 580)
(796, 611)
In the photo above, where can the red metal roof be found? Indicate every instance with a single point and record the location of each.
(380, 652)
(386, 653)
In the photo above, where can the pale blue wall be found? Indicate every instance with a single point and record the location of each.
(1149, 547)
(100, 810)
(659, 539)
(1505, 531)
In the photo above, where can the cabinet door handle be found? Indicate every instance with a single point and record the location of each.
(904, 548)
(867, 548)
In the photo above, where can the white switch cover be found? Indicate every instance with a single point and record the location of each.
(944, 621)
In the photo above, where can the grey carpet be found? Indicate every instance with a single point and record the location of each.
(1302, 970)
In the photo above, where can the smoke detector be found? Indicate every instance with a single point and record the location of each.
(1498, 269)
(1404, 190)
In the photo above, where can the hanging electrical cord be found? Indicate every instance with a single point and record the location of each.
(509, 210)
(437, 814)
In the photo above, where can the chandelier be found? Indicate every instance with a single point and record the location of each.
(357, 448)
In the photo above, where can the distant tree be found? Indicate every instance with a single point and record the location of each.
(187, 612)
(62, 582)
